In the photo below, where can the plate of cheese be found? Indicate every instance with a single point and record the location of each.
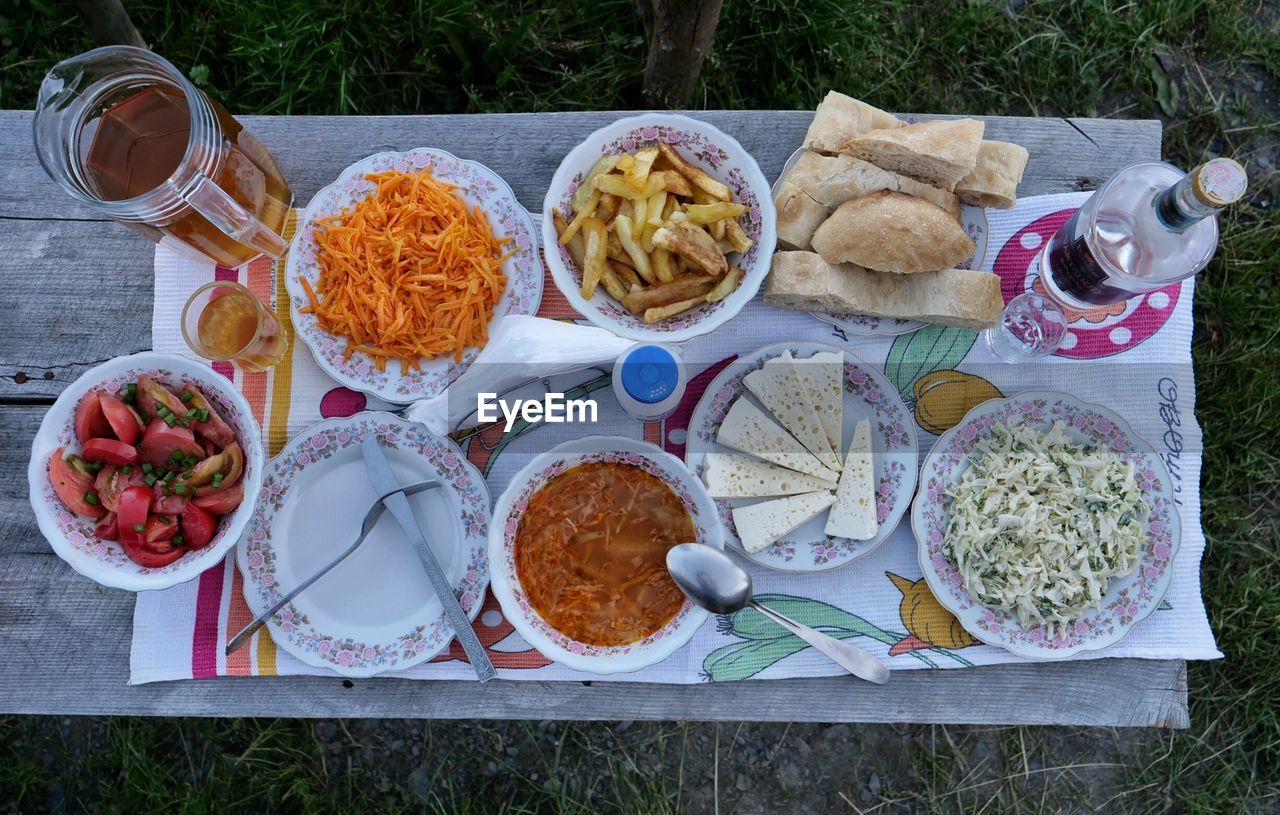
(809, 454)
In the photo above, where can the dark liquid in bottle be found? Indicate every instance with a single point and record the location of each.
(139, 144)
(1076, 272)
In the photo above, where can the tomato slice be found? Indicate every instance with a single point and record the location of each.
(198, 526)
(158, 533)
(222, 501)
(165, 503)
(160, 441)
(215, 429)
(72, 485)
(110, 451)
(135, 503)
(90, 422)
(149, 559)
(151, 395)
(123, 424)
(112, 481)
(107, 528)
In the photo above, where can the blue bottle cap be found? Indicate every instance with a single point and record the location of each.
(649, 374)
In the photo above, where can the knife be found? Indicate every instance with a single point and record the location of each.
(385, 483)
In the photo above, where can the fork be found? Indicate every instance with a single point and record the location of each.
(370, 521)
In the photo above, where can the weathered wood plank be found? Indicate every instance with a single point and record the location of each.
(94, 278)
(47, 612)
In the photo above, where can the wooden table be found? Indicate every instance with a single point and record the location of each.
(77, 291)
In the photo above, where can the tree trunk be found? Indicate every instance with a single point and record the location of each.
(679, 41)
(109, 23)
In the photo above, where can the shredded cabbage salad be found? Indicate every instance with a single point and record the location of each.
(1040, 524)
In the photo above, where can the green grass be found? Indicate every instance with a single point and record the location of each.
(1193, 64)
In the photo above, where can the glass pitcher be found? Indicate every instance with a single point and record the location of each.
(124, 132)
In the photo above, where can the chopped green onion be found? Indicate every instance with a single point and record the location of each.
(146, 467)
(133, 389)
(169, 476)
(164, 519)
(139, 527)
(126, 469)
(169, 420)
(151, 479)
(175, 456)
(187, 396)
(190, 461)
(178, 540)
(179, 489)
(204, 415)
(91, 498)
(217, 479)
(163, 411)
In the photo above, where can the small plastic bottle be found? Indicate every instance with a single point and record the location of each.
(649, 380)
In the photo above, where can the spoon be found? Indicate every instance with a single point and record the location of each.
(713, 581)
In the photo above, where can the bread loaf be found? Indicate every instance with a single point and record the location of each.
(832, 180)
(798, 216)
(939, 152)
(892, 232)
(839, 118)
(994, 180)
(803, 281)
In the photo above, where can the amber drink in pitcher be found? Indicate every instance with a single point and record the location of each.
(123, 131)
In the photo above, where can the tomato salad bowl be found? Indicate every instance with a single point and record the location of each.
(143, 424)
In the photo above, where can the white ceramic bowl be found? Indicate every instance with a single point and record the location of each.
(721, 157)
(502, 564)
(71, 535)
(1128, 600)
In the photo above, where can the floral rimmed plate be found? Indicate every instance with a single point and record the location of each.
(515, 604)
(867, 395)
(974, 220)
(703, 145)
(481, 187)
(1128, 600)
(376, 610)
(72, 536)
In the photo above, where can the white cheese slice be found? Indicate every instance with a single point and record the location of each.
(821, 378)
(730, 476)
(761, 524)
(854, 514)
(777, 386)
(747, 429)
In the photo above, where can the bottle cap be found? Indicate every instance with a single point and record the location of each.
(649, 381)
(649, 374)
(1219, 182)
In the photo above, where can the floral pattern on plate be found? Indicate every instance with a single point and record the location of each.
(1129, 599)
(506, 583)
(481, 187)
(257, 556)
(893, 440)
(105, 557)
(703, 145)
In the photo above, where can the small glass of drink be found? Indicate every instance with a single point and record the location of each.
(1030, 326)
(224, 321)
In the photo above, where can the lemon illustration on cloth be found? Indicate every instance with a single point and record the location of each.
(928, 624)
(944, 397)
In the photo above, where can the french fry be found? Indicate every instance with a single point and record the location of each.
(692, 243)
(614, 250)
(612, 284)
(624, 207)
(676, 184)
(662, 266)
(726, 286)
(724, 246)
(646, 237)
(655, 206)
(630, 280)
(681, 288)
(717, 230)
(608, 207)
(603, 165)
(737, 236)
(586, 212)
(637, 174)
(576, 250)
(710, 213)
(671, 206)
(639, 214)
(640, 261)
(657, 315)
(696, 176)
(617, 185)
(596, 239)
(626, 162)
(679, 215)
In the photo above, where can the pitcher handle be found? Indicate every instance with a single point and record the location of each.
(226, 214)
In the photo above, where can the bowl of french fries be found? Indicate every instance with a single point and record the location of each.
(658, 227)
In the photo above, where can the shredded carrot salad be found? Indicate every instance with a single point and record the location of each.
(407, 273)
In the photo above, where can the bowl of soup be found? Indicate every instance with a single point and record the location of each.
(578, 546)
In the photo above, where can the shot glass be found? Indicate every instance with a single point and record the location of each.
(224, 321)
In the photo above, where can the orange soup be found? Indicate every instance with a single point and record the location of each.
(591, 552)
